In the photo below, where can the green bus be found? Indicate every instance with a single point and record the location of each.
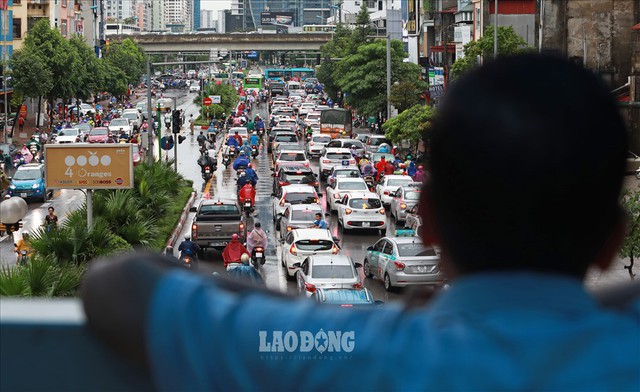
(253, 82)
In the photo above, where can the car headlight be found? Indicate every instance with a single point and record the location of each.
(12, 186)
(35, 186)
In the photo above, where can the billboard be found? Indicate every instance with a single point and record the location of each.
(88, 166)
(276, 19)
(412, 22)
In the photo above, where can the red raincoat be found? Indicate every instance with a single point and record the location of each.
(233, 251)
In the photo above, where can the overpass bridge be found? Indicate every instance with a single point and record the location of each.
(201, 42)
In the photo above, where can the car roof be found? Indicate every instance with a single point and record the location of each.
(313, 206)
(220, 201)
(349, 179)
(351, 167)
(377, 137)
(321, 234)
(338, 149)
(295, 168)
(363, 195)
(30, 165)
(331, 260)
(406, 240)
(300, 188)
(397, 176)
(296, 151)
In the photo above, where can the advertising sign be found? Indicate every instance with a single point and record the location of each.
(88, 166)
(412, 22)
(276, 19)
(215, 98)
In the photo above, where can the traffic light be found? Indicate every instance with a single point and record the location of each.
(201, 84)
(176, 123)
(181, 139)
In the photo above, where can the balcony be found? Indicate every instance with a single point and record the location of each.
(45, 346)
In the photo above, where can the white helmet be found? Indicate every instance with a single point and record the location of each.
(245, 258)
(187, 237)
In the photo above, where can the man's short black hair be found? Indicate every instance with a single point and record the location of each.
(319, 214)
(528, 159)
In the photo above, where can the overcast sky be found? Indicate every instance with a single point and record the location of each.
(216, 5)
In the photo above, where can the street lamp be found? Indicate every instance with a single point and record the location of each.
(495, 30)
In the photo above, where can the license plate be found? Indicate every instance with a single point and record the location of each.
(345, 163)
(247, 204)
(23, 195)
(258, 254)
(421, 269)
(365, 224)
(221, 243)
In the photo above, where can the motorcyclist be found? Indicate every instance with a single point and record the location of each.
(259, 124)
(411, 170)
(247, 192)
(254, 140)
(384, 148)
(380, 168)
(368, 169)
(246, 148)
(251, 126)
(188, 248)
(233, 251)
(420, 175)
(242, 180)
(241, 162)
(244, 272)
(251, 175)
(207, 160)
(308, 131)
(33, 142)
(201, 139)
(238, 138)
(257, 238)
(23, 244)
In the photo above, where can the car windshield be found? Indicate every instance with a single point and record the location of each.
(28, 174)
(291, 157)
(84, 127)
(321, 139)
(353, 186)
(415, 250)
(365, 204)
(300, 178)
(301, 198)
(399, 181)
(353, 143)
(314, 245)
(119, 122)
(332, 272)
(346, 173)
(304, 215)
(68, 132)
(378, 157)
(338, 155)
(376, 141)
(212, 209)
(415, 195)
(130, 116)
(286, 138)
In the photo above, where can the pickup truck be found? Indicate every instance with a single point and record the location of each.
(215, 222)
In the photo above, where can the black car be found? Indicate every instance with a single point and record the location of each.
(295, 175)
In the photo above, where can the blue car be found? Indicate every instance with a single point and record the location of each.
(28, 182)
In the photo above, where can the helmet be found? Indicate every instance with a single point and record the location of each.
(420, 167)
(187, 237)
(234, 237)
(245, 258)
(257, 224)
(243, 174)
(250, 165)
(236, 132)
(206, 153)
(25, 234)
(402, 165)
(242, 153)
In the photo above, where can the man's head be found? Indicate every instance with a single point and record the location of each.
(257, 225)
(50, 209)
(318, 216)
(506, 191)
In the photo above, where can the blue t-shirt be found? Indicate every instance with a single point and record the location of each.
(488, 332)
(320, 223)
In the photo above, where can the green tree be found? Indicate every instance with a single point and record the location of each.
(339, 46)
(111, 79)
(407, 94)
(508, 43)
(362, 31)
(362, 76)
(128, 57)
(31, 76)
(631, 246)
(85, 81)
(228, 99)
(411, 125)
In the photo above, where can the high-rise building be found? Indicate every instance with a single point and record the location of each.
(196, 15)
(119, 10)
(208, 19)
(157, 22)
(176, 14)
(302, 12)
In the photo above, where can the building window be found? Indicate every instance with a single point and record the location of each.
(379, 5)
(17, 28)
(371, 3)
(63, 28)
(63, 3)
(17, 2)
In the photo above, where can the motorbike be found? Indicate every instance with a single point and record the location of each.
(247, 206)
(188, 262)
(257, 257)
(370, 181)
(226, 160)
(308, 137)
(239, 171)
(23, 258)
(233, 151)
(18, 160)
(254, 151)
(260, 132)
(206, 173)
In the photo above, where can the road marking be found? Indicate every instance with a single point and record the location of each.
(207, 188)
(56, 193)
(282, 279)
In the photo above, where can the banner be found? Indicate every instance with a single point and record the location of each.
(276, 19)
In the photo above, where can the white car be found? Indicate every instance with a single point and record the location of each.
(194, 88)
(69, 135)
(297, 216)
(361, 210)
(305, 108)
(316, 144)
(118, 124)
(300, 243)
(340, 188)
(312, 118)
(288, 122)
(390, 184)
(86, 109)
(403, 200)
(327, 272)
(333, 157)
(135, 118)
(242, 131)
(292, 194)
(297, 156)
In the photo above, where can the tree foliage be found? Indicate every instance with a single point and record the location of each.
(411, 125)
(228, 99)
(128, 57)
(509, 42)
(631, 246)
(407, 94)
(31, 75)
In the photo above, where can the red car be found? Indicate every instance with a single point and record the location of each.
(98, 135)
(137, 157)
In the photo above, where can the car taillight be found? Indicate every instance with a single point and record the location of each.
(315, 183)
(381, 211)
(326, 161)
(399, 265)
(292, 250)
(348, 211)
(336, 196)
(306, 164)
(194, 230)
(289, 228)
(282, 183)
(403, 206)
(258, 249)
(352, 161)
(386, 192)
(335, 249)
(310, 288)
(357, 286)
(241, 228)
(282, 202)
(311, 143)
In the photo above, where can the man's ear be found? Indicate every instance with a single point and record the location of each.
(428, 230)
(613, 243)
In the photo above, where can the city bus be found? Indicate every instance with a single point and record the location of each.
(287, 73)
(319, 28)
(336, 122)
(252, 82)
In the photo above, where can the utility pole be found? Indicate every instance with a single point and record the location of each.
(495, 30)
(149, 116)
(388, 75)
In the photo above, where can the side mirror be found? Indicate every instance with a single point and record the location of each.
(370, 249)
(338, 201)
(358, 265)
(336, 240)
(281, 240)
(297, 265)
(273, 175)
(193, 209)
